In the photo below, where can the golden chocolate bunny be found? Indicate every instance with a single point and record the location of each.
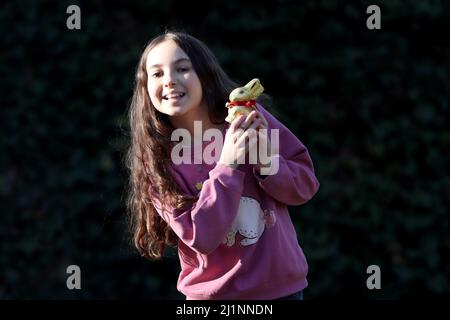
(243, 100)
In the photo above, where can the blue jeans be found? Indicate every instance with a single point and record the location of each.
(295, 296)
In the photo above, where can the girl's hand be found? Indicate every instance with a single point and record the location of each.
(256, 119)
(242, 137)
(238, 142)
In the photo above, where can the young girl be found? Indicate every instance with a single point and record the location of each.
(230, 221)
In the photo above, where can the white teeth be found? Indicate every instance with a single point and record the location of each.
(174, 95)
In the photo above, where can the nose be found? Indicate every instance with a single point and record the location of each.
(169, 80)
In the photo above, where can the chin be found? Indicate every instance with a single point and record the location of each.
(171, 110)
(176, 111)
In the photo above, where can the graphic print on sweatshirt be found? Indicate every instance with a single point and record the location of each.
(250, 222)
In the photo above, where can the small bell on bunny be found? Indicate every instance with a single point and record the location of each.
(243, 100)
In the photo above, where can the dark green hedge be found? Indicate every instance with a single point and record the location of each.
(371, 106)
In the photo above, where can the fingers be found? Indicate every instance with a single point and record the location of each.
(256, 124)
(264, 121)
(249, 119)
(247, 137)
(253, 122)
(244, 129)
(243, 136)
(236, 123)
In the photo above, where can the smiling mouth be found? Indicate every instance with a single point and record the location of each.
(174, 96)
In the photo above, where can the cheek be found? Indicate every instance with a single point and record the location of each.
(152, 92)
(195, 85)
(150, 88)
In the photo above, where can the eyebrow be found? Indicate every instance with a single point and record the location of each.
(175, 62)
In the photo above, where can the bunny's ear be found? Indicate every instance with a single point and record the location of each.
(255, 82)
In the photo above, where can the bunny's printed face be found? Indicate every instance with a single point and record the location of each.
(248, 92)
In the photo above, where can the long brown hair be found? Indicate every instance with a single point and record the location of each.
(148, 156)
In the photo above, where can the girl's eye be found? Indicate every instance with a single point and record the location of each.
(156, 74)
(183, 69)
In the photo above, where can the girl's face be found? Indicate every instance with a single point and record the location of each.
(173, 85)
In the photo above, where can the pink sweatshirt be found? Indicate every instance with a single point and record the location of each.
(238, 241)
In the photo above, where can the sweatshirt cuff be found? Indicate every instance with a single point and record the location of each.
(228, 177)
(266, 175)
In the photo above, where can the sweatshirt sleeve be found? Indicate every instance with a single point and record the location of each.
(203, 226)
(294, 183)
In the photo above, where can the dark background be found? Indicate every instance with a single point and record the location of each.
(372, 106)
